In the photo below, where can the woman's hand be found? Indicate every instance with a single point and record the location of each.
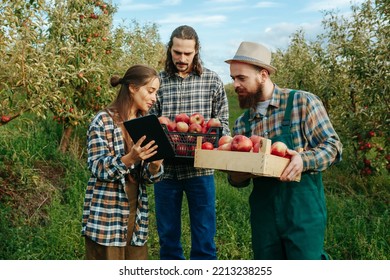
(138, 153)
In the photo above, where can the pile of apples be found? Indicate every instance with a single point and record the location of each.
(181, 131)
(241, 143)
(194, 123)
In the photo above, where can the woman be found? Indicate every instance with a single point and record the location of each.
(115, 213)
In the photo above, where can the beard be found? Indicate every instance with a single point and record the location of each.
(251, 99)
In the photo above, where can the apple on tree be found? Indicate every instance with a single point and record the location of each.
(241, 143)
(5, 119)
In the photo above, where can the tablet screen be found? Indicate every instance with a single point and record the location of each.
(151, 127)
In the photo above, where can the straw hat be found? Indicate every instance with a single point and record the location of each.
(254, 53)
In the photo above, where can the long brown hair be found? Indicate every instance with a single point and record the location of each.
(187, 33)
(136, 76)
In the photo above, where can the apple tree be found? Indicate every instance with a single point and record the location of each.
(24, 71)
(59, 56)
(89, 49)
(348, 67)
(358, 52)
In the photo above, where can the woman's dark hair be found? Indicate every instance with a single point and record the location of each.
(136, 76)
(187, 33)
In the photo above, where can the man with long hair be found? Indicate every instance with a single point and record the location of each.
(188, 87)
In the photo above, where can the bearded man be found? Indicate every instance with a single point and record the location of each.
(288, 218)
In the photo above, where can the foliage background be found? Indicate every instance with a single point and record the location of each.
(56, 62)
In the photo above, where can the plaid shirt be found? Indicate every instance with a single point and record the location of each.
(311, 128)
(203, 94)
(106, 207)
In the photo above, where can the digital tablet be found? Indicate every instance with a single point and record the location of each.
(151, 127)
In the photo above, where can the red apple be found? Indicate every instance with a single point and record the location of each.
(5, 119)
(256, 139)
(241, 143)
(257, 142)
(207, 146)
(279, 149)
(171, 126)
(191, 150)
(182, 117)
(190, 139)
(196, 118)
(181, 149)
(214, 122)
(224, 140)
(195, 128)
(256, 147)
(182, 127)
(175, 138)
(164, 120)
(225, 147)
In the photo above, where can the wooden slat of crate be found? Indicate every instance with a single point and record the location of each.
(261, 164)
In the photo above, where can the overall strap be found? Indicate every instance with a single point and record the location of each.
(245, 119)
(286, 123)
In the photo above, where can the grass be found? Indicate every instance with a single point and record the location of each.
(42, 192)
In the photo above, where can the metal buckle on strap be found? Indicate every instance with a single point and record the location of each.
(286, 123)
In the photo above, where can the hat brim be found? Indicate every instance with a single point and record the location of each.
(270, 68)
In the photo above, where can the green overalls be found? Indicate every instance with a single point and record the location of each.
(288, 219)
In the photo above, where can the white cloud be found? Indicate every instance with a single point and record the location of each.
(180, 19)
(265, 4)
(131, 6)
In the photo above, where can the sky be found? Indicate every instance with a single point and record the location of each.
(223, 24)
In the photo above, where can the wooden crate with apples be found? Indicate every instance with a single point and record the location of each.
(261, 163)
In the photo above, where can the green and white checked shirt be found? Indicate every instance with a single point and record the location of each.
(106, 207)
(204, 94)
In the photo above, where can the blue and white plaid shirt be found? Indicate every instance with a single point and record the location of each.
(106, 207)
(204, 94)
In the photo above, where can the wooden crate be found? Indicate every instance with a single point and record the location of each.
(260, 164)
